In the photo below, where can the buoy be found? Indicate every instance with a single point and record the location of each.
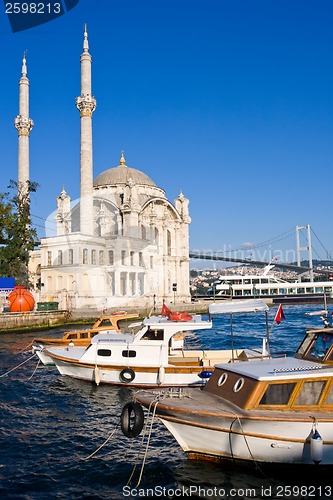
(97, 375)
(21, 300)
(205, 374)
(316, 447)
(161, 374)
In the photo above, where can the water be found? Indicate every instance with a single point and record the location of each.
(50, 424)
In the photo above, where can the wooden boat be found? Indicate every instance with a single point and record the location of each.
(273, 410)
(106, 323)
(151, 354)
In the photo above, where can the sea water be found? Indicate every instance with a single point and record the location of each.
(60, 438)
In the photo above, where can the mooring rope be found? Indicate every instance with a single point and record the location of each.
(33, 373)
(106, 441)
(154, 402)
(18, 366)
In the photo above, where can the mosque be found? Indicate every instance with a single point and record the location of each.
(123, 243)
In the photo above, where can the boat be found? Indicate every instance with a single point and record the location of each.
(106, 323)
(276, 411)
(150, 354)
(273, 411)
(268, 286)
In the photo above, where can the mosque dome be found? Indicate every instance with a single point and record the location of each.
(121, 175)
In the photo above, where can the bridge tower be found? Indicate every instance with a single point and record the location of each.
(307, 248)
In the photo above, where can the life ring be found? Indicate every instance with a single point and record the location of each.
(127, 375)
(180, 316)
(132, 428)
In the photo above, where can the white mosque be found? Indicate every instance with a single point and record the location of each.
(124, 243)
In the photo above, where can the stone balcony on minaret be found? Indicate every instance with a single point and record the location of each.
(23, 125)
(86, 104)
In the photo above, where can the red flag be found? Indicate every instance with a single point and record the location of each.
(165, 310)
(279, 315)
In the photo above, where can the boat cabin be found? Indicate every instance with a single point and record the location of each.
(282, 384)
(317, 345)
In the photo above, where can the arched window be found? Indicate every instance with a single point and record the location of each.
(70, 256)
(123, 257)
(85, 256)
(168, 242)
(59, 257)
(101, 258)
(93, 256)
(111, 257)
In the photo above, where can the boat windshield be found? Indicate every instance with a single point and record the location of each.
(321, 346)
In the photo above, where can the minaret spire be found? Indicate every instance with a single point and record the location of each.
(86, 104)
(24, 125)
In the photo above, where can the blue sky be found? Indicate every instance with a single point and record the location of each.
(229, 100)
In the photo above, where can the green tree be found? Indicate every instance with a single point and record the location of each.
(17, 238)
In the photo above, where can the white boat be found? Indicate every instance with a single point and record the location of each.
(151, 354)
(273, 411)
(268, 286)
(107, 323)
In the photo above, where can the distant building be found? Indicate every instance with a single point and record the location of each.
(123, 244)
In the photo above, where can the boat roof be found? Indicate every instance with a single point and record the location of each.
(194, 323)
(278, 368)
(118, 338)
(238, 306)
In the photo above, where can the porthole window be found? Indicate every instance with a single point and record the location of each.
(103, 352)
(238, 385)
(222, 379)
(129, 354)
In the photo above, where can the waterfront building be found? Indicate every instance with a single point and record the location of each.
(123, 243)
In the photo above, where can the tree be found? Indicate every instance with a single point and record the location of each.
(17, 238)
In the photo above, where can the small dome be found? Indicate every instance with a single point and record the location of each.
(121, 175)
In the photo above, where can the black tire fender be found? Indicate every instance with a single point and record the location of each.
(132, 419)
(127, 375)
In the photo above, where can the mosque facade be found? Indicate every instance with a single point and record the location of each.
(123, 243)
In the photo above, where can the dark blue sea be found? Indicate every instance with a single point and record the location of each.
(51, 425)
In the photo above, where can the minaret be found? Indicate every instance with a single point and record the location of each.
(24, 125)
(86, 104)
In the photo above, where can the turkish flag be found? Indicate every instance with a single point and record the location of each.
(165, 310)
(279, 315)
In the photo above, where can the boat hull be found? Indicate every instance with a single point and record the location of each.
(255, 443)
(142, 376)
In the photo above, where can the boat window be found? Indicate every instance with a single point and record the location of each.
(128, 354)
(321, 346)
(105, 322)
(309, 290)
(103, 352)
(264, 280)
(305, 345)
(277, 394)
(300, 290)
(222, 379)
(153, 334)
(71, 336)
(84, 335)
(274, 291)
(328, 289)
(329, 399)
(238, 385)
(310, 393)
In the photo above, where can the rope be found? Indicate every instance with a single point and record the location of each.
(100, 447)
(142, 441)
(9, 371)
(33, 373)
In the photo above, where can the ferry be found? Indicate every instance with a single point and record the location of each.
(268, 286)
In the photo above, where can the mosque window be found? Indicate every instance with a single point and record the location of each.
(143, 232)
(59, 257)
(70, 256)
(151, 262)
(85, 256)
(111, 257)
(49, 258)
(132, 283)
(141, 261)
(156, 236)
(93, 256)
(141, 283)
(123, 257)
(123, 283)
(132, 258)
(101, 258)
(168, 243)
